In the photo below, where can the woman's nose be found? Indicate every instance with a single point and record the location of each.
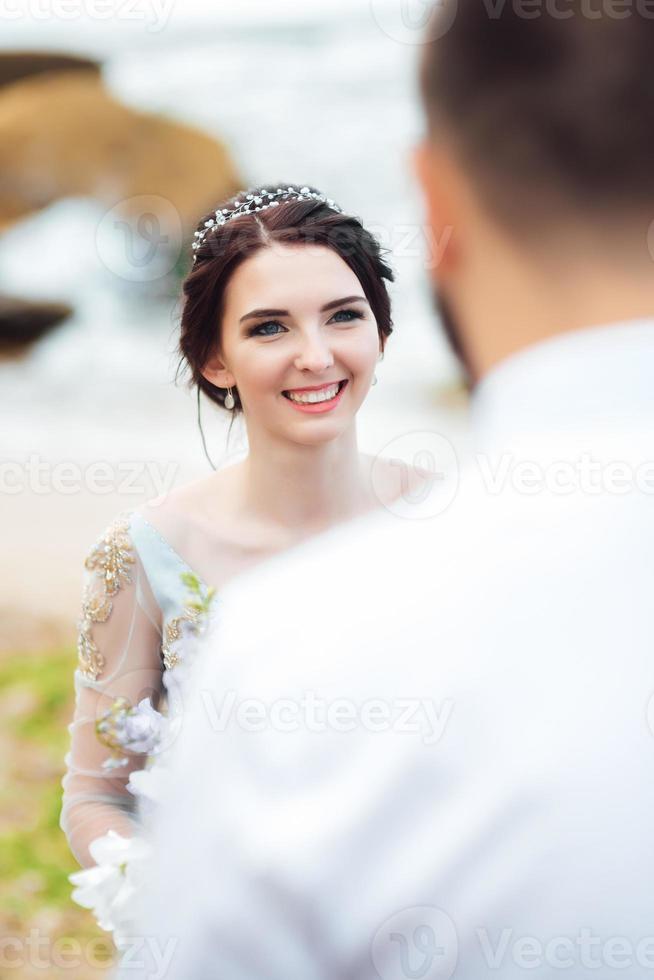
(314, 355)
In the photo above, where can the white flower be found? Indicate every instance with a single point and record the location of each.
(111, 850)
(143, 727)
(97, 888)
(111, 886)
(137, 729)
(148, 783)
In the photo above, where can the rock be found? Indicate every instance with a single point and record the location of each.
(62, 134)
(21, 64)
(23, 321)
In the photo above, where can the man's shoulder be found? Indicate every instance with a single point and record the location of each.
(372, 567)
(366, 567)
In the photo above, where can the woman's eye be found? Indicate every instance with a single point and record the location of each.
(272, 327)
(262, 329)
(348, 315)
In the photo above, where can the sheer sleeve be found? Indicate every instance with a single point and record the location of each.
(119, 664)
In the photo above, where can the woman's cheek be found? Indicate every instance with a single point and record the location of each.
(262, 362)
(361, 356)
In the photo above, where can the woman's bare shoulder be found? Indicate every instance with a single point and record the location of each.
(195, 513)
(198, 520)
(205, 497)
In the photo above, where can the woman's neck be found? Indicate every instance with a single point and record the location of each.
(304, 488)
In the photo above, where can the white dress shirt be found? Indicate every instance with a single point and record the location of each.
(422, 746)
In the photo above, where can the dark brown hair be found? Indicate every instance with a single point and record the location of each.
(548, 109)
(292, 222)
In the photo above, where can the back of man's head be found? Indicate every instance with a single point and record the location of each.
(548, 104)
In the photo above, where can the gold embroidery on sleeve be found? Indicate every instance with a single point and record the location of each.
(173, 633)
(111, 556)
(195, 613)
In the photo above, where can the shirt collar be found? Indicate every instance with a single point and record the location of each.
(596, 377)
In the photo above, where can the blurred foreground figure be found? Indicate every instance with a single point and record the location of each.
(422, 745)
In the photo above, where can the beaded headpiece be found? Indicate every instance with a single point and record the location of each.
(252, 200)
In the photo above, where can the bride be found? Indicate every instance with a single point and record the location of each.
(286, 313)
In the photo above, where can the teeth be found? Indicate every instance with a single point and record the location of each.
(315, 396)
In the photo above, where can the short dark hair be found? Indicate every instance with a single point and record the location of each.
(293, 222)
(550, 112)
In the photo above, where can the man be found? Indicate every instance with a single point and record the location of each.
(421, 746)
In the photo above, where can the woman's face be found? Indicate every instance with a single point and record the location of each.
(297, 326)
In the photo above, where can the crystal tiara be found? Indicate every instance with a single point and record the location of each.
(249, 201)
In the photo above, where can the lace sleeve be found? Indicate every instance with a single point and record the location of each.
(119, 664)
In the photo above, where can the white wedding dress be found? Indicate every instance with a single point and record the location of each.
(143, 612)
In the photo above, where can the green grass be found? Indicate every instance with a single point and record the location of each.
(36, 705)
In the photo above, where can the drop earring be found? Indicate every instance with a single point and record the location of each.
(229, 400)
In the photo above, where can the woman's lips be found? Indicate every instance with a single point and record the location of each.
(300, 391)
(316, 408)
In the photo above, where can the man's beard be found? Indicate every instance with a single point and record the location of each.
(454, 335)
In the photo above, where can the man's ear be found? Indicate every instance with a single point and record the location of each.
(217, 373)
(436, 179)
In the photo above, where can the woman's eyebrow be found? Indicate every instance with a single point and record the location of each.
(256, 313)
(340, 302)
(323, 309)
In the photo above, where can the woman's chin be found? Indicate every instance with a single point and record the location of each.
(305, 438)
(316, 431)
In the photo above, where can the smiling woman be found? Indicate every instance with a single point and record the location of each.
(293, 243)
(313, 333)
(286, 314)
